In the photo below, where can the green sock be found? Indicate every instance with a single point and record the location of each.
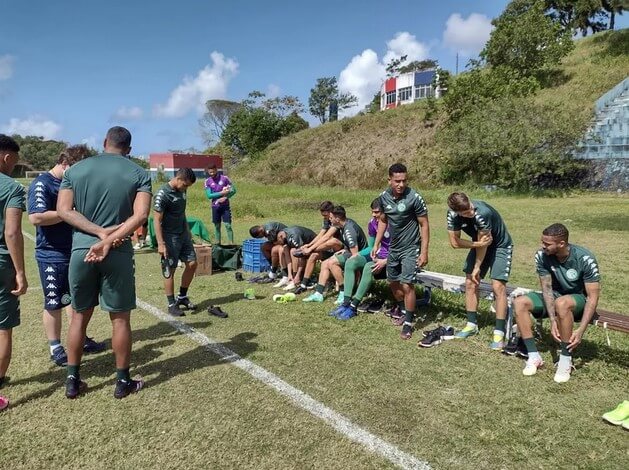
(564, 349)
(408, 315)
(320, 288)
(501, 324)
(230, 233)
(73, 371)
(217, 233)
(530, 345)
(472, 317)
(171, 299)
(285, 272)
(346, 301)
(354, 303)
(123, 374)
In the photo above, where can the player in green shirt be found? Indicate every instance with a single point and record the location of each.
(405, 212)
(105, 198)
(491, 249)
(292, 239)
(13, 282)
(174, 241)
(271, 249)
(571, 285)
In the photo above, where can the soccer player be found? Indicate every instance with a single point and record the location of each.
(52, 252)
(353, 239)
(490, 249)
(105, 198)
(219, 189)
(292, 239)
(174, 240)
(326, 243)
(570, 282)
(13, 282)
(366, 265)
(405, 212)
(271, 249)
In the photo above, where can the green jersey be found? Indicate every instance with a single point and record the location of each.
(352, 235)
(172, 205)
(104, 190)
(486, 218)
(570, 276)
(297, 236)
(402, 214)
(271, 230)
(12, 196)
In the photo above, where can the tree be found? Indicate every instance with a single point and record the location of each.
(613, 8)
(526, 39)
(393, 67)
(374, 106)
(418, 66)
(259, 122)
(326, 93)
(39, 153)
(215, 119)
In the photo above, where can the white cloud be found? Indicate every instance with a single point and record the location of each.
(405, 44)
(6, 67)
(128, 114)
(89, 141)
(210, 83)
(273, 91)
(467, 36)
(364, 74)
(33, 125)
(362, 77)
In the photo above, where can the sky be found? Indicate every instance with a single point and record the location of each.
(70, 69)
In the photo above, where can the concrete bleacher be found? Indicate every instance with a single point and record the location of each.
(608, 136)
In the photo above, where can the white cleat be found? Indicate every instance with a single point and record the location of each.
(532, 364)
(289, 286)
(281, 283)
(562, 375)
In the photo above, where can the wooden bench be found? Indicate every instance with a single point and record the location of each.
(450, 283)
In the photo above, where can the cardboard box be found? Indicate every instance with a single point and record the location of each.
(204, 260)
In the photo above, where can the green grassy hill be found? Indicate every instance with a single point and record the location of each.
(356, 152)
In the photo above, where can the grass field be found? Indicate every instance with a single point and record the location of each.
(458, 405)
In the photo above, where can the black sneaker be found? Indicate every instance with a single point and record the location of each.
(175, 311)
(238, 277)
(516, 347)
(301, 289)
(310, 284)
(59, 356)
(363, 307)
(436, 336)
(74, 387)
(376, 306)
(216, 311)
(90, 346)
(185, 302)
(127, 387)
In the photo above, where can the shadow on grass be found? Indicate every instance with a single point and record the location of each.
(144, 360)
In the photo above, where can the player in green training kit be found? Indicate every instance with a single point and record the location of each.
(105, 198)
(571, 285)
(406, 214)
(12, 275)
(271, 249)
(491, 249)
(174, 241)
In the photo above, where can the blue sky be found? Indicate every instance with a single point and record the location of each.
(70, 69)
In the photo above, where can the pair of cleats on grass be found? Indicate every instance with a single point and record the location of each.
(619, 416)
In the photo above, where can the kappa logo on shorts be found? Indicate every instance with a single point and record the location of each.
(49, 269)
(51, 278)
(51, 286)
(572, 274)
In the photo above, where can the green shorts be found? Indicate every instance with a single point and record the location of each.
(539, 309)
(110, 283)
(179, 247)
(343, 257)
(497, 261)
(402, 266)
(9, 303)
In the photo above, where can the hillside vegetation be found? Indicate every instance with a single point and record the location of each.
(356, 152)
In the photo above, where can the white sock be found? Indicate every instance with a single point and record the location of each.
(499, 333)
(565, 360)
(535, 355)
(471, 325)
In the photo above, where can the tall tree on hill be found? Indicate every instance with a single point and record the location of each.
(526, 40)
(419, 65)
(613, 8)
(38, 152)
(326, 95)
(215, 119)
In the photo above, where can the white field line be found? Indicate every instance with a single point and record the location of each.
(343, 425)
(304, 401)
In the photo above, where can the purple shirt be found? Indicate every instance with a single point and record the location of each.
(372, 229)
(216, 186)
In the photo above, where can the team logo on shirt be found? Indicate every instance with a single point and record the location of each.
(401, 207)
(572, 274)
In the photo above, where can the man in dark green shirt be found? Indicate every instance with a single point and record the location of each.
(105, 198)
(12, 275)
(353, 239)
(405, 212)
(174, 241)
(571, 285)
(491, 249)
(291, 239)
(271, 249)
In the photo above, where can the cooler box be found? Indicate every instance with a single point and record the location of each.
(252, 258)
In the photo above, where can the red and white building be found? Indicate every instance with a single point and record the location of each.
(169, 163)
(408, 88)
